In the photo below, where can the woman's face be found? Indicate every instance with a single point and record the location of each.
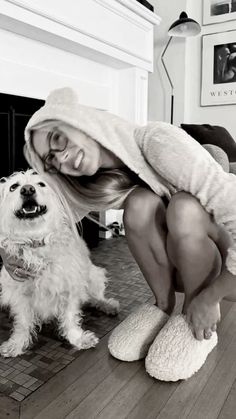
(57, 149)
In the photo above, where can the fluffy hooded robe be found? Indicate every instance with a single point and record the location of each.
(162, 155)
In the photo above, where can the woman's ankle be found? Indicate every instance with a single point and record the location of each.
(187, 301)
(166, 305)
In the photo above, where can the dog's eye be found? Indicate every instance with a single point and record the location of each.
(14, 186)
(41, 184)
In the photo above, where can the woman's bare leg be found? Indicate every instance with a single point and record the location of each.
(145, 227)
(191, 244)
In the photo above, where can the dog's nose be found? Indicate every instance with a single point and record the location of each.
(27, 190)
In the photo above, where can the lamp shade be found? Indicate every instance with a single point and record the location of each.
(184, 27)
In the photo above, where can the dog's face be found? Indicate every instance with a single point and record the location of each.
(27, 203)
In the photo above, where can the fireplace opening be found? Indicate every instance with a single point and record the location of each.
(15, 111)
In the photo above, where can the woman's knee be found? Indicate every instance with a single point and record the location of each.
(186, 217)
(142, 207)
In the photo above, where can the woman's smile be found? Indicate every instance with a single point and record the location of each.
(79, 159)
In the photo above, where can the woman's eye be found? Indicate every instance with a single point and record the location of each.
(41, 184)
(13, 187)
(55, 140)
(58, 141)
(56, 136)
(50, 157)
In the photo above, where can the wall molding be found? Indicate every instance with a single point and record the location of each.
(115, 6)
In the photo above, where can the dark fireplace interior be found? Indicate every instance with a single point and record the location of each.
(15, 111)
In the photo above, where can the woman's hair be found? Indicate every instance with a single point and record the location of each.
(106, 189)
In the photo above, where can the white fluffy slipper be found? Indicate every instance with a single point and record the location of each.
(175, 353)
(131, 339)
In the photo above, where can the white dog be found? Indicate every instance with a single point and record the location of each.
(34, 227)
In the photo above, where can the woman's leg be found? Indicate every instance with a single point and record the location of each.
(146, 233)
(192, 245)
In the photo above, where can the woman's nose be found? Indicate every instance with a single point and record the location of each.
(62, 156)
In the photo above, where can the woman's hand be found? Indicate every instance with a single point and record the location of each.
(15, 267)
(203, 315)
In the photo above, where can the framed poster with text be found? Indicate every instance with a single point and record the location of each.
(218, 69)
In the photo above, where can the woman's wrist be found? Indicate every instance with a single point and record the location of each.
(221, 287)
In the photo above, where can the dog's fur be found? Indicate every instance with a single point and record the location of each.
(64, 276)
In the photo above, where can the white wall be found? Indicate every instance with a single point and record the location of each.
(194, 113)
(159, 88)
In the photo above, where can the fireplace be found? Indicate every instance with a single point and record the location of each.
(101, 48)
(15, 112)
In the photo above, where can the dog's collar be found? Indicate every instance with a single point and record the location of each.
(30, 242)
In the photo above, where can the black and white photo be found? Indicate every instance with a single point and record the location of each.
(221, 7)
(225, 63)
(218, 69)
(215, 11)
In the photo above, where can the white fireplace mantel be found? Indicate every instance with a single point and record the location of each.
(101, 48)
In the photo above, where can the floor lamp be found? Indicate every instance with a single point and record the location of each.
(183, 28)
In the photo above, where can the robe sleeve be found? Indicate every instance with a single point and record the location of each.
(185, 164)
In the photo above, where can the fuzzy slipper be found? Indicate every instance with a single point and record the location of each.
(131, 339)
(175, 353)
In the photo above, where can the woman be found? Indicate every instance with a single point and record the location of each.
(175, 198)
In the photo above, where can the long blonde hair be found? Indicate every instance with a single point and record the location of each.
(106, 189)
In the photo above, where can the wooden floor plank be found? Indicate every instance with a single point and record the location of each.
(153, 401)
(40, 399)
(76, 392)
(213, 395)
(187, 393)
(92, 405)
(9, 408)
(124, 401)
(228, 410)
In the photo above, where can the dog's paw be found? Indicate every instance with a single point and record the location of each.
(109, 306)
(86, 340)
(11, 349)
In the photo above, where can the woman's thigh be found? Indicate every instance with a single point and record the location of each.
(143, 207)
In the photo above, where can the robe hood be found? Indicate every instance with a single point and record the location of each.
(116, 134)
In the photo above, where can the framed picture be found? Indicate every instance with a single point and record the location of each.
(215, 11)
(218, 69)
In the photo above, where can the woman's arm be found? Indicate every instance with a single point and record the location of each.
(15, 267)
(185, 164)
(224, 286)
